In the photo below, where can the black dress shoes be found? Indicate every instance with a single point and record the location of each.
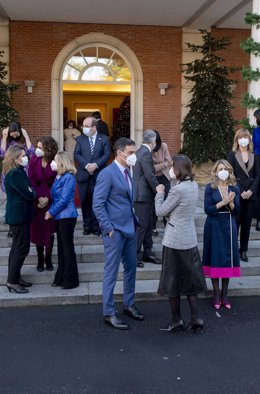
(151, 259)
(115, 322)
(155, 232)
(257, 226)
(133, 312)
(140, 264)
(244, 257)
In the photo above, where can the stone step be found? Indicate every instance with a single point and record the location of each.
(91, 292)
(93, 272)
(95, 252)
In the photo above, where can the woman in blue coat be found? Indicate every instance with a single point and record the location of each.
(220, 252)
(64, 211)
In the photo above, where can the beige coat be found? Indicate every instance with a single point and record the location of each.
(162, 161)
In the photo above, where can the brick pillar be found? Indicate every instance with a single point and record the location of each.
(254, 86)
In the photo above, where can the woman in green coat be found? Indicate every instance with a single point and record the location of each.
(19, 213)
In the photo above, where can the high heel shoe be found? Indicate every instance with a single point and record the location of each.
(172, 326)
(226, 304)
(16, 288)
(23, 283)
(216, 305)
(195, 325)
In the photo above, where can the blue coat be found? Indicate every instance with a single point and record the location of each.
(113, 202)
(62, 193)
(220, 232)
(82, 155)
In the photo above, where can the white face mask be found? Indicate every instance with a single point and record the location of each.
(39, 152)
(87, 131)
(255, 123)
(131, 160)
(70, 127)
(25, 161)
(172, 173)
(54, 165)
(223, 175)
(243, 142)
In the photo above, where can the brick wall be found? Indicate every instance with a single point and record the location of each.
(34, 47)
(236, 57)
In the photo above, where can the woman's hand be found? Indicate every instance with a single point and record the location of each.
(229, 198)
(5, 132)
(48, 216)
(160, 189)
(25, 134)
(43, 201)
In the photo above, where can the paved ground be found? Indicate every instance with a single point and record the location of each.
(68, 350)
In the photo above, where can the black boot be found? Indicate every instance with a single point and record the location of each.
(48, 261)
(40, 265)
(257, 226)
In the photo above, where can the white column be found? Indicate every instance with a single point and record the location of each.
(254, 86)
(4, 44)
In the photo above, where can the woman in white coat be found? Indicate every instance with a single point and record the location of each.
(181, 268)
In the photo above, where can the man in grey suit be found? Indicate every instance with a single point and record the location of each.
(145, 183)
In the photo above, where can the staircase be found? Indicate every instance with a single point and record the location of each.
(89, 250)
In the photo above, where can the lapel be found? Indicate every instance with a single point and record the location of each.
(242, 164)
(123, 181)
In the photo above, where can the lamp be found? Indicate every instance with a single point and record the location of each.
(163, 87)
(29, 85)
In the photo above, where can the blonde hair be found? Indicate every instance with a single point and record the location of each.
(11, 156)
(65, 163)
(214, 178)
(242, 133)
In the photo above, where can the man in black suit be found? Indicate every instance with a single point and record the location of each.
(102, 127)
(145, 183)
(92, 151)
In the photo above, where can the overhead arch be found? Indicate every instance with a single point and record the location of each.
(79, 43)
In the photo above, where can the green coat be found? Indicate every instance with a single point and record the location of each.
(20, 196)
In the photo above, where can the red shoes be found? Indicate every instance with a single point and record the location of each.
(226, 304)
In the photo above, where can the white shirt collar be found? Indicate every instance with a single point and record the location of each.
(148, 147)
(120, 166)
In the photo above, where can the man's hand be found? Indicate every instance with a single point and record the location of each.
(91, 167)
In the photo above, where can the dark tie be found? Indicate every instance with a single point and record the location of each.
(91, 144)
(127, 178)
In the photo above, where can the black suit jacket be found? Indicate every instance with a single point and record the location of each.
(145, 181)
(82, 155)
(102, 127)
(247, 178)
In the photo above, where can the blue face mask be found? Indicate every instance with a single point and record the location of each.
(87, 131)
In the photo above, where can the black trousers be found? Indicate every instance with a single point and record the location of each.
(144, 212)
(19, 250)
(167, 184)
(244, 222)
(86, 190)
(67, 272)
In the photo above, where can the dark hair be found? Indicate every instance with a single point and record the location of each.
(257, 115)
(15, 126)
(121, 143)
(73, 122)
(182, 167)
(50, 147)
(97, 115)
(158, 141)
